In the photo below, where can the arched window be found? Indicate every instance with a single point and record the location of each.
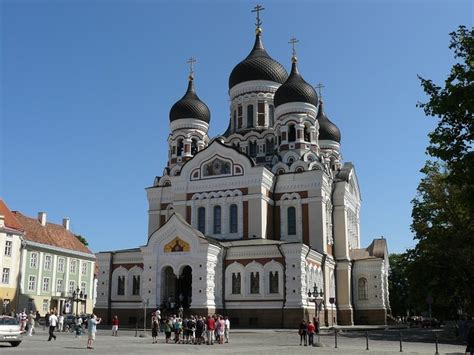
(121, 285)
(136, 285)
(363, 289)
(194, 147)
(253, 149)
(217, 219)
(239, 116)
(249, 116)
(291, 221)
(273, 275)
(291, 133)
(307, 134)
(236, 282)
(235, 120)
(180, 148)
(261, 113)
(254, 282)
(271, 109)
(202, 220)
(233, 218)
(270, 146)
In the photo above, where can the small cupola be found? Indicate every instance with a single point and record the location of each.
(328, 131)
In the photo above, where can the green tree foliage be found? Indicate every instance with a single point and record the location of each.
(82, 239)
(442, 264)
(398, 286)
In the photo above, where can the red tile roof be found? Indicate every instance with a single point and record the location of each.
(10, 220)
(51, 234)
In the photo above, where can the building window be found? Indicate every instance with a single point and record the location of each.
(202, 220)
(253, 149)
(8, 248)
(180, 147)
(121, 285)
(273, 281)
(239, 115)
(194, 147)
(136, 285)
(272, 115)
(363, 289)
(73, 266)
(45, 305)
(34, 260)
(46, 284)
(291, 133)
(217, 219)
(47, 262)
(307, 134)
(84, 268)
(31, 305)
(31, 283)
(59, 285)
(235, 119)
(83, 288)
(6, 275)
(61, 264)
(249, 116)
(291, 221)
(233, 218)
(236, 282)
(261, 113)
(254, 282)
(72, 286)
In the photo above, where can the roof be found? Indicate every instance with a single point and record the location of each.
(51, 234)
(10, 220)
(190, 106)
(327, 129)
(295, 89)
(258, 66)
(376, 250)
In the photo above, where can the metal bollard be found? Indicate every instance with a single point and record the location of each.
(401, 348)
(436, 343)
(335, 338)
(366, 340)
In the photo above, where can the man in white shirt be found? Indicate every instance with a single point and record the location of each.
(53, 322)
(60, 323)
(227, 329)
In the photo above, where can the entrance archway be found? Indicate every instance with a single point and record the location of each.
(176, 291)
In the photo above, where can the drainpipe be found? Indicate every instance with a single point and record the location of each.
(20, 275)
(223, 277)
(354, 313)
(109, 303)
(284, 286)
(323, 268)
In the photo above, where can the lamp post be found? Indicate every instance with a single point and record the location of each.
(317, 298)
(78, 296)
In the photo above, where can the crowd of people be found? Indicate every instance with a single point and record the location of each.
(194, 329)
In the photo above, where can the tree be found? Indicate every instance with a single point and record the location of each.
(82, 239)
(398, 285)
(441, 264)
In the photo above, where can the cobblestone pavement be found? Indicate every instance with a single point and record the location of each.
(272, 342)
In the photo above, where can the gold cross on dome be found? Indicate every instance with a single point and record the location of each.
(191, 62)
(319, 88)
(293, 41)
(257, 9)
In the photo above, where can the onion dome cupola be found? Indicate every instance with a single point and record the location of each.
(257, 66)
(328, 131)
(295, 89)
(190, 106)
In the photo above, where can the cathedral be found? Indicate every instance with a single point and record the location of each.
(260, 223)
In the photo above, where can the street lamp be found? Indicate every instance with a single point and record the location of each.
(78, 296)
(317, 298)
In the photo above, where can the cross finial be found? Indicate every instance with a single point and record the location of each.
(257, 9)
(293, 41)
(319, 88)
(191, 62)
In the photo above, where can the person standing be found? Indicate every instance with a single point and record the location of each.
(310, 329)
(60, 323)
(91, 330)
(154, 329)
(31, 323)
(167, 328)
(199, 330)
(53, 322)
(302, 333)
(227, 329)
(115, 325)
(23, 320)
(221, 329)
(210, 328)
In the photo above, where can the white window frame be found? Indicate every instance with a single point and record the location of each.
(45, 305)
(59, 285)
(84, 288)
(6, 275)
(48, 260)
(61, 262)
(46, 284)
(32, 283)
(84, 268)
(73, 266)
(8, 248)
(72, 286)
(33, 260)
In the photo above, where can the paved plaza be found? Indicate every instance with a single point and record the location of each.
(241, 342)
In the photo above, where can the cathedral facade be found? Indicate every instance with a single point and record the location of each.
(247, 223)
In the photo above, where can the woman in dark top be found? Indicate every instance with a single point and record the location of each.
(302, 333)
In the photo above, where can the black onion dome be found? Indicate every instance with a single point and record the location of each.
(327, 129)
(190, 106)
(258, 66)
(295, 89)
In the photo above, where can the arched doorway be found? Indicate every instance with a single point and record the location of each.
(176, 291)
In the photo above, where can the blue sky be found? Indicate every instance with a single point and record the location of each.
(87, 87)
